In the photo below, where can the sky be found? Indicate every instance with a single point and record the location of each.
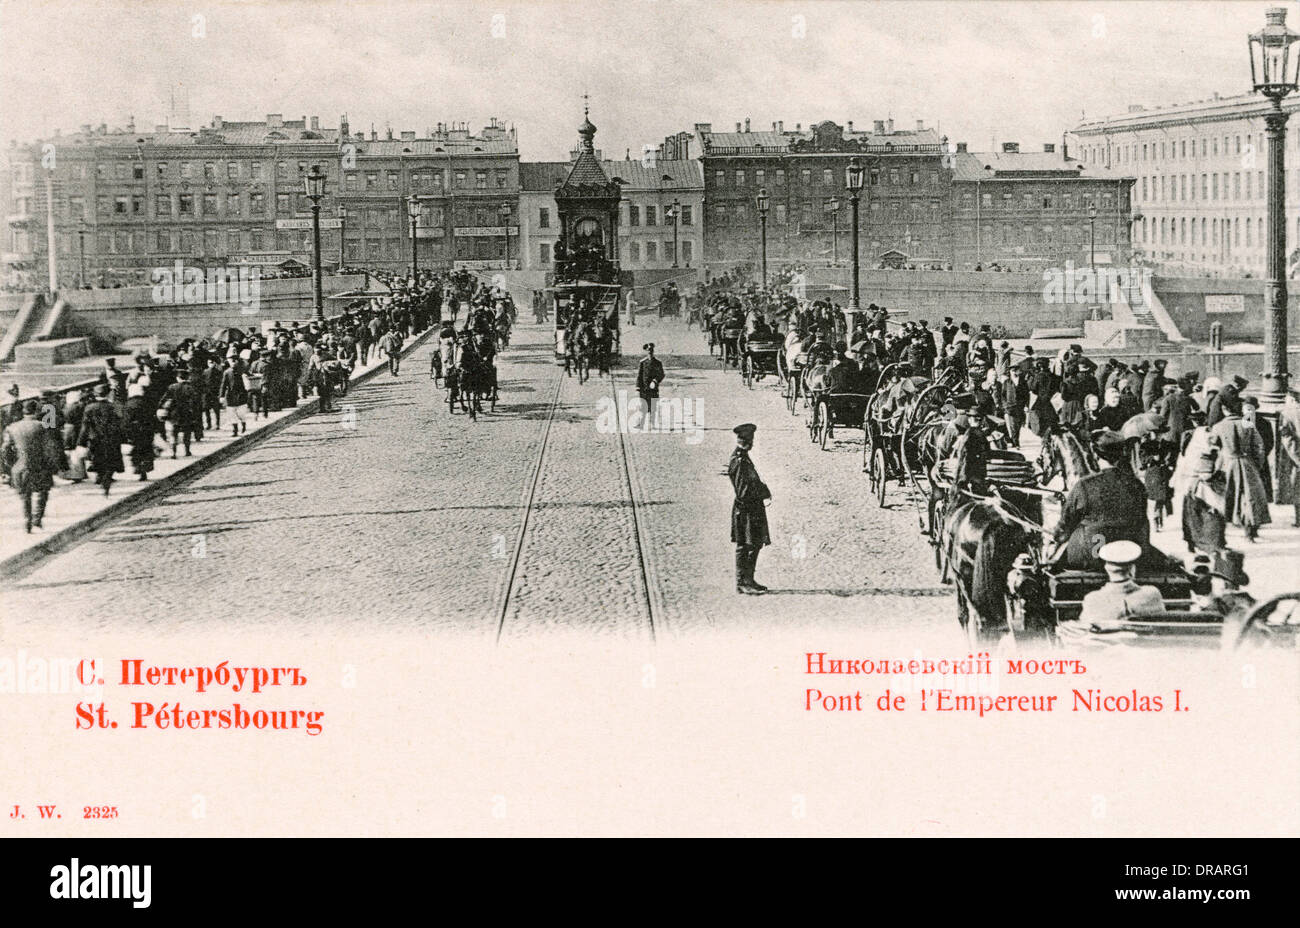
(984, 72)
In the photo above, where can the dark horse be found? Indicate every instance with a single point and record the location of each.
(981, 539)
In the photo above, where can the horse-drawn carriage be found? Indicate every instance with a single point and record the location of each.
(902, 423)
(670, 302)
(828, 408)
(759, 357)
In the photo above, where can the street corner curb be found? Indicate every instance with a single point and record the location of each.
(19, 565)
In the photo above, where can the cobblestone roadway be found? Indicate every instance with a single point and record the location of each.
(401, 516)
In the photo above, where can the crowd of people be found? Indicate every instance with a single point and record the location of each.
(172, 397)
(1198, 440)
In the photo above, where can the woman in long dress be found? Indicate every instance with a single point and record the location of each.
(1241, 461)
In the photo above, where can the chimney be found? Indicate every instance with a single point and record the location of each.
(850, 125)
(274, 120)
(343, 127)
(737, 128)
(103, 128)
(889, 126)
(878, 127)
(374, 136)
(315, 122)
(773, 126)
(961, 147)
(1049, 148)
(408, 136)
(780, 125)
(746, 123)
(798, 127)
(85, 128)
(388, 133)
(1011, 147)
(920, 125)
(216, 122)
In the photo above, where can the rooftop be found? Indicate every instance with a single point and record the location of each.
(1216, 107)
(1009, 165)
(544, 176)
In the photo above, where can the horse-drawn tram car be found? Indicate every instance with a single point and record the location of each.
(585, 282)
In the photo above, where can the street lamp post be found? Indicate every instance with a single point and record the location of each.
(853, 178)
(675, 212)
(833, 207)
(1275, 72)
(762, 200)
(1092, 237)
(343, 221)
(413, 210)
(81, 254)
(315, 189)
(504, 211)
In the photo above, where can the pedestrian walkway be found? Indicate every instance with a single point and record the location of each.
(77, 508)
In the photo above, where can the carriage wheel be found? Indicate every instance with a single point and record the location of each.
(824, 413)
(881, 476)
(747, 371)
(867, 445)
(813, 425)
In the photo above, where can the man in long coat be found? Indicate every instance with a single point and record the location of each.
(31, 462)
(1107, 506)
(101, 433)
(649, 375)
(748, 516)
(1288, 456)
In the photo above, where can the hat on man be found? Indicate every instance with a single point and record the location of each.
(746, 431)
(13, 389)
(1120, 552)
(102, 389)
(858, 347)
(648, 346)
(1160, 364)
(1212, 384)
(1239, 381)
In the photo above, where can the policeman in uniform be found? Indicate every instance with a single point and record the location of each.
(1122, 595)
(748, 517)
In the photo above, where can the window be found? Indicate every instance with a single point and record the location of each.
(779, 209)
(163, 205)
(480, 180)
(282, 203)
(232, 242)
(651, 251)
(393, 180)
(544, 253)
(232, 204)
(256, 204)
(893, 176)
(634, 213)
(255, 169)
(187, 170)
(137, 170)
(232, 170)
(740, 182)
(759, 176)
(719, 178)
(187, 241)
(634, 251)
(350, 180)
(651, 216)
(544, 220)
(460, 178)
(185, 204)
(780, 177)
(968, 201)
(805, 177)
(372, 180)
(502, 177)
(209, 171)
(916, 178)
(828, 176)
(162, 241)
(137, 205)
(209, 204)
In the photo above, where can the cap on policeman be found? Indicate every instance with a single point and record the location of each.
(1120, 552)
(746, 430)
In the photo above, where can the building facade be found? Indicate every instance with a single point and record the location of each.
(1036, 209)
(652, 189)
(125, 201)
(1200, 199)
(904, 210)
(466, 185)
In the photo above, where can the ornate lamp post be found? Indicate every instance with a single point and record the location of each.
(1275, 72)
(314, 181)
(675, 211)
(762, 200)
(833, 207)
(853, 178)
(413, 211)
(504, 211)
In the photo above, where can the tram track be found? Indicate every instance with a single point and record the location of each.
(510, 598)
